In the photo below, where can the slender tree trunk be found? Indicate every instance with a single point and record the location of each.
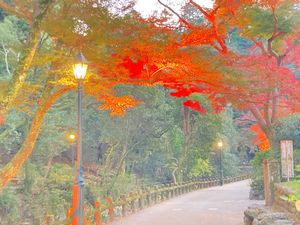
(174, 175)
(5, 53)
(185, 115)
(13, 168)
(34, 19)
(49, 165)
(19, 75)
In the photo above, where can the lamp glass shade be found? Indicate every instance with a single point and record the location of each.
(79, 70)
(80, 66)
(220, 144)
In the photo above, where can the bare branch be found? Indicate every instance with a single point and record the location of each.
(200, 8)
(291, 48)
(274, 36)
(5, 53)
(175, 13)
(259, 118)
(260, 45)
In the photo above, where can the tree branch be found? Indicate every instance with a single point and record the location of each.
(175, 13)
(13, 11)
(260, 120)
(200, 9)
(211, 18)
(275, 105)
(275, 35)
(12, 169)
(260, 45)
(288, 50)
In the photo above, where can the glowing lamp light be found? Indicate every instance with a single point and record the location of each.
(220, 144)
(71, 137)
(80, 66)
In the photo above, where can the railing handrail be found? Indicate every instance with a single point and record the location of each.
(149, 196)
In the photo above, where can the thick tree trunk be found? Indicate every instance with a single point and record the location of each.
(274, 144)
(13, 168)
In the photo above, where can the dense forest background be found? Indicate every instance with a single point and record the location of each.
(121, 153)
(158, 141)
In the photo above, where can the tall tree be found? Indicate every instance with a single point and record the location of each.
(32, 14)
(262, 78)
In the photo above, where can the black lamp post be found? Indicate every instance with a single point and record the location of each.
(79, 69)
(220, 147)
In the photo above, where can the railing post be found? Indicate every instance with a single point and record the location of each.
(46, 221)
(162, 193)
(169, 191)
(124, 205)
(110, 209)
(267, 183)
(173, 190)
(140, 199)
(85, 219)
(177, 191)
(155, 194)
(69, 214)
(132, 202)
(148, 197)
(97, 212)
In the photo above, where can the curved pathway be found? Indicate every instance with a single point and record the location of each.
(213, 206)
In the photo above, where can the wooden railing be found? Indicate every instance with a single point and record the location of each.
(134, 201)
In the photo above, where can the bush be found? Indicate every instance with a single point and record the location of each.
(257, 183)
(8, 206)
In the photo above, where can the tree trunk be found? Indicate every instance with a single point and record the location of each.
(19, 76)
(185, 115)
(37, 15)
(13, 168)
(275, 148)
(174, 175)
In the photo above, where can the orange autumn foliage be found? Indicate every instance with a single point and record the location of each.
(188, 59)
(261, 139)
(118, 105)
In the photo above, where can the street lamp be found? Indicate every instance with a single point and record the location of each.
(71, 136)
(79, 69)
(220, 147)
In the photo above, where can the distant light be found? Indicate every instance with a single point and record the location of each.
(220, 144)
(71, 137)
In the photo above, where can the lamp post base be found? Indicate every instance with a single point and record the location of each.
(76, 205)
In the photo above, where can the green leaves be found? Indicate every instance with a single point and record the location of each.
(202, 168)
(257, 21)
(292, 198)
(295, 198)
